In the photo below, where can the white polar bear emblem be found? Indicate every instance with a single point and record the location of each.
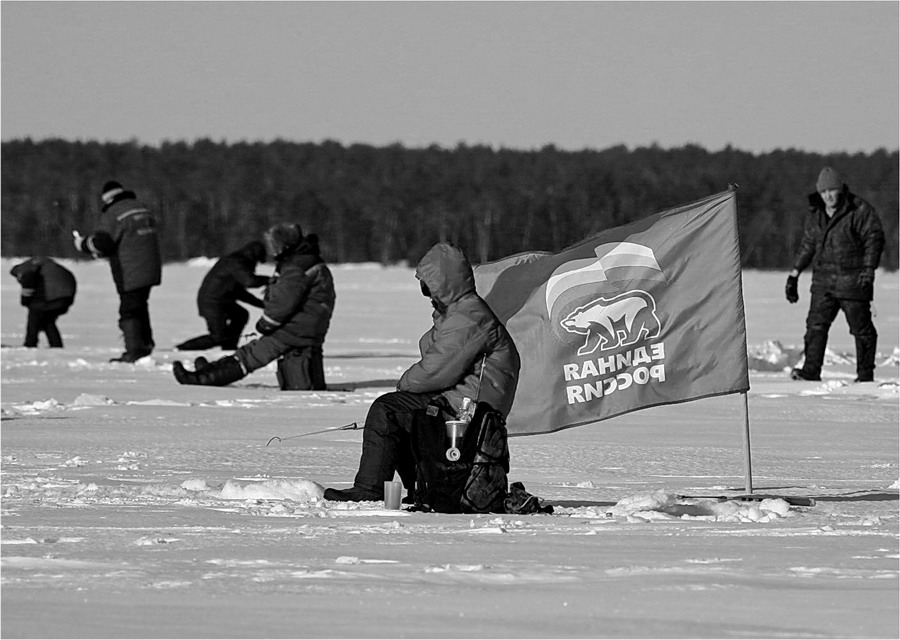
(619, 321)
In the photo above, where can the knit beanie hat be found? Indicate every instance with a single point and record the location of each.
(110, 190)
(829, 179)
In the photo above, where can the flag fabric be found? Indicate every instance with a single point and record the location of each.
(646, 314)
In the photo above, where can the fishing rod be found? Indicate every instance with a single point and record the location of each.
(798, 501)
(347, 427)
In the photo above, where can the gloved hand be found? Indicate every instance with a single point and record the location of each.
(790, 290)
(78, 241)
(265, 327)
(866, 278)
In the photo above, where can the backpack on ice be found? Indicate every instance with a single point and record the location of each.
(476, 482)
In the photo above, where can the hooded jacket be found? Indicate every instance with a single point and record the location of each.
(300, 298)
(128, 237)
(465, 333)
(43, 280)
(841, 247)
(229, 279)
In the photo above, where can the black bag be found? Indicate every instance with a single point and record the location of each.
(301, 369)
(477, 481)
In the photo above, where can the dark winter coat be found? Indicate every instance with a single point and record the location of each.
(465, 330)
(841, 247)
(43, 281)
(229, 279)
(128, 237)
(300, 297)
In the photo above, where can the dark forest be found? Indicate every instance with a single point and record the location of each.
(389, 204)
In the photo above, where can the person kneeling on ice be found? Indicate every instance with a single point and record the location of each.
(299, 302)
(467, 353)
(222, 288)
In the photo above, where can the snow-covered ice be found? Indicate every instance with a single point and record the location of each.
(136, 507)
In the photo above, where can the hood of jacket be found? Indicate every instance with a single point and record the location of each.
(446, 272)
(305, 254)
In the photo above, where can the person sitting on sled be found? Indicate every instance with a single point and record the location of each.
(467, 353)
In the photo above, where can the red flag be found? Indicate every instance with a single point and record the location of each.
(646, 314)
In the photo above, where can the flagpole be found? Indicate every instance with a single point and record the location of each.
(748, 474)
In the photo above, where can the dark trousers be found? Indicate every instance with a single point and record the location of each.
(386, 445)
(134, 321)
(42, 319)
(299, 368)
(823, 309)
(225, 324)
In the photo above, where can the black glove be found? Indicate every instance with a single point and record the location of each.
(866, 278)
(790, 290)
(265, 327)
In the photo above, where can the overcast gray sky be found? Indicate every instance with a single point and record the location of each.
(816, 76)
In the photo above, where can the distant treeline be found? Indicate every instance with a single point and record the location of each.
(389, 204)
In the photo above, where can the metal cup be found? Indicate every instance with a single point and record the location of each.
(456, 429)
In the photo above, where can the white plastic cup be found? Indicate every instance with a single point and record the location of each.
(392, 491)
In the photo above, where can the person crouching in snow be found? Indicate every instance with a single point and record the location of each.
(299, 302)
(222, 288)
(465, 334)
(48, 290)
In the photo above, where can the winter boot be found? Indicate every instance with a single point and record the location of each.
(865, 358)
(146, 334)
(814, 354)
(222, 372)
(800, 374)
(406, 468)
(135, 349)
(200, 343)
(130, 357)
(384, 441)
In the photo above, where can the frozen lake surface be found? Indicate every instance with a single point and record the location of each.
(136, 507)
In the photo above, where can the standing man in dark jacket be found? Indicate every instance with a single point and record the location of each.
(128, 238)
(48, 290)
(222, 288)
(299, 302)
(467, 353)
(843, 240)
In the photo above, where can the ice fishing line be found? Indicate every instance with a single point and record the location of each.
(347, 427)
